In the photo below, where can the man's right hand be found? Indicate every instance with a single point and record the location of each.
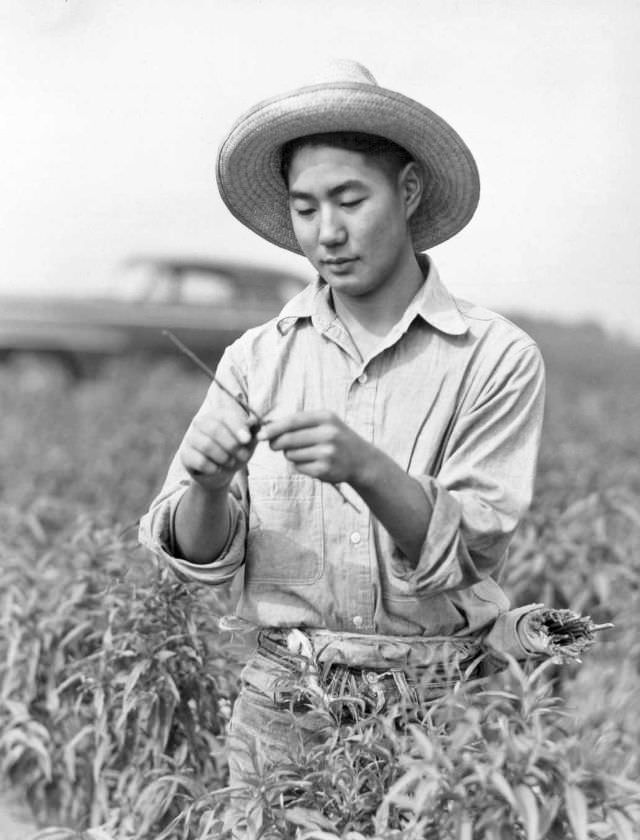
(216, 446)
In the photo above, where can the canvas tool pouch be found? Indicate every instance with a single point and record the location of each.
(355, 674)
(511, 634)
(538, 631)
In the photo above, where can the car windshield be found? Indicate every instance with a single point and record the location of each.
(175, 284)
(191, 287)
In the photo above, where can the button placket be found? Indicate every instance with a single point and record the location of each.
(360, 607)
(359, 413)
(360, 407)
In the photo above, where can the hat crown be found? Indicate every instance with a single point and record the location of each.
(342, 70)
(343, 96)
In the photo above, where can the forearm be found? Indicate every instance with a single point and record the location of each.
(201, 525)
(396, 499)
(319, 444)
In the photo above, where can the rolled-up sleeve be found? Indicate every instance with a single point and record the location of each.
(156, 530)
(486, 478)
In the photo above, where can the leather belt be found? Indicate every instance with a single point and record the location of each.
(310, 658)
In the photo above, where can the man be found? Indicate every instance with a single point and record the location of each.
(372, 512)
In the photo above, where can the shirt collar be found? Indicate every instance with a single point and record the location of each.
(312, 302)
(432, 302)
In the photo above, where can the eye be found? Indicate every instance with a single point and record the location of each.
(304, 211)
(353, 203)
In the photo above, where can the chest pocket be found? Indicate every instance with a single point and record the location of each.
(285, 543)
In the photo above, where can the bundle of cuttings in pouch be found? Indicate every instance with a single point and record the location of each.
(563, 634)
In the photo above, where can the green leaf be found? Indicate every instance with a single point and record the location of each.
(133, 677)
(80, 629)
(577, 811)
(98, 701)
(164, 655)
(548, 810)
(528, 809)
(465, 828)
(504, 788)
(69, 751)
(307, 818)
(621, 825)
(423, 743)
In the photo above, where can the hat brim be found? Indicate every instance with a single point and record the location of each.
(248, 165)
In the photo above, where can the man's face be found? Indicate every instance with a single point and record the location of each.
(349, 217)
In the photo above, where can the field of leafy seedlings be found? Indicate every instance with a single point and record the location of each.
(116, 685)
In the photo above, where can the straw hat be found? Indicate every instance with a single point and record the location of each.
(346, 98)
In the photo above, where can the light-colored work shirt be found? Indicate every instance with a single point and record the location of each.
(454, 395)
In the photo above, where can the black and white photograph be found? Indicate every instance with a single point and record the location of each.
(319, 442)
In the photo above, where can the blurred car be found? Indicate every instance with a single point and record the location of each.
(206, 303)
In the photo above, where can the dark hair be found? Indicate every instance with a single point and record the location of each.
(387, 154)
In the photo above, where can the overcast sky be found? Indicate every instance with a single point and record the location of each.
(112, 111)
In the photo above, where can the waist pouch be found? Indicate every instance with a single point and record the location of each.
(355, 674)
(358, 650)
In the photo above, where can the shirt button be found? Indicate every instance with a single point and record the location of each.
(362, 378)
(355, 538)
(357, 621)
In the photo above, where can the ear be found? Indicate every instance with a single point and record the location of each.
(411, 186)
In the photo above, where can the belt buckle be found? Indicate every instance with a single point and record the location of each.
(375, 685)
(282, 696)
(294, 700)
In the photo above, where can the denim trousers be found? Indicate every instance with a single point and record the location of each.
(262, 735)
(271, 727)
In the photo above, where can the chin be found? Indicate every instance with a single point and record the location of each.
(353, 289)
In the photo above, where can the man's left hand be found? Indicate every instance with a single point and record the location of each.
(320, 445)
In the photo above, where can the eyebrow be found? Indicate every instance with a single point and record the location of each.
(333, 192)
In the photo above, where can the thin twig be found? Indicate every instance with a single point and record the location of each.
(260, 418)
(344, 498)
(198, 361)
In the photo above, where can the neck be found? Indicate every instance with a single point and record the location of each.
(379, 311)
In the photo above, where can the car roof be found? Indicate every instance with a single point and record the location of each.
(234, 268)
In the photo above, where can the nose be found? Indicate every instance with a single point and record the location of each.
(332, 231)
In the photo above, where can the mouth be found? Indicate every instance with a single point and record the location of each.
(337, 261)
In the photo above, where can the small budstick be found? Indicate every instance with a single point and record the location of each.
(260, 419)
(566, 634)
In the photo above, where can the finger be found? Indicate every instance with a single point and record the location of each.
(196, 462)
(228, 436)
(302, 438)
(294, 422)
(308, 454)
(314, 469)
(218, 453)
